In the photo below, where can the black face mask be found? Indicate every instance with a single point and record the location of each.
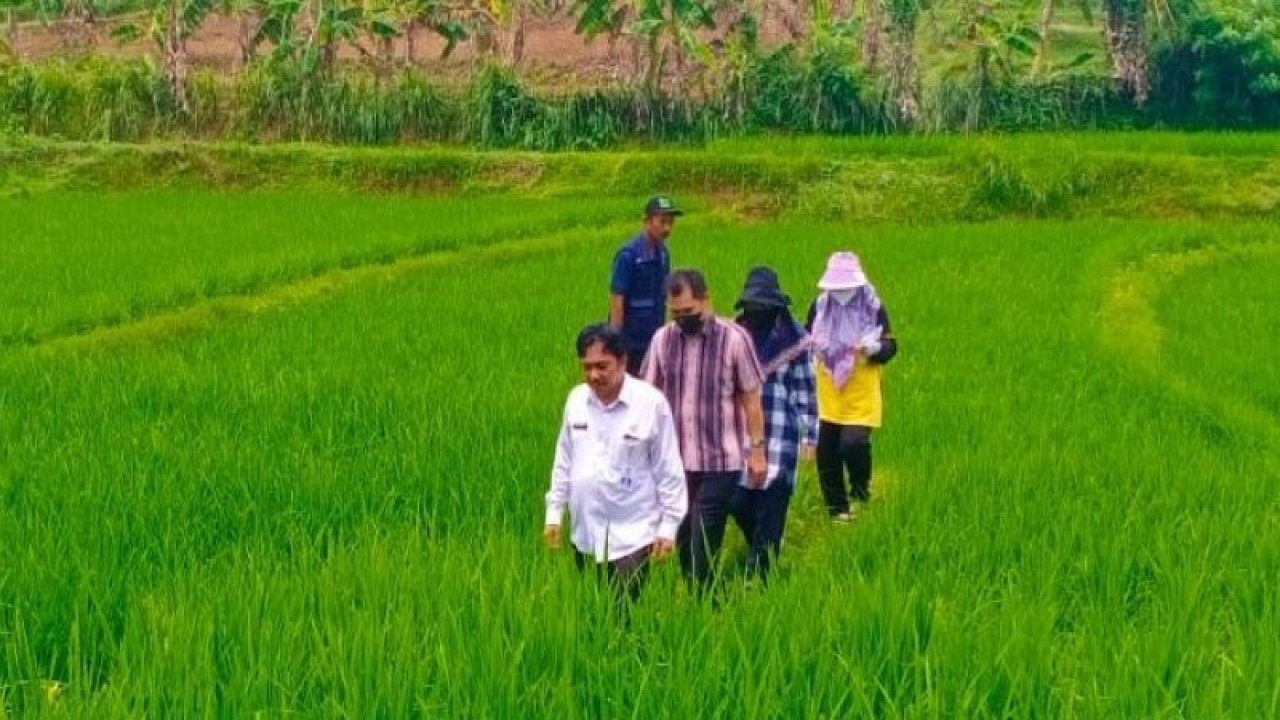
(690, 324)
(760, 319)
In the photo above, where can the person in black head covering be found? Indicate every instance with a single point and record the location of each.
(790, 414)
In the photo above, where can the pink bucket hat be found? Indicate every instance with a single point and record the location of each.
(844, 272)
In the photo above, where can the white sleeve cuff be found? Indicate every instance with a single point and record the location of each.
(667, 529)
(554, 516)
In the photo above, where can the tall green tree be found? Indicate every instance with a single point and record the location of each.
(173, 22)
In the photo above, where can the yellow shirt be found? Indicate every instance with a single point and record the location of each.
(859, 402)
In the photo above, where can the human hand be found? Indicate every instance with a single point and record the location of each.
(551, 536)
(870, 343)
(663, 547)
(808, 453)
(757, 469)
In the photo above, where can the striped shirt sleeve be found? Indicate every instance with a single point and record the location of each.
(748, 376)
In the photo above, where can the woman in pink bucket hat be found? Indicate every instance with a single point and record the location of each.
(852, 341)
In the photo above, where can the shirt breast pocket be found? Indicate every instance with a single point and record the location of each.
(631, 456)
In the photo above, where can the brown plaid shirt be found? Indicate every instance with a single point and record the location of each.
(702, 377)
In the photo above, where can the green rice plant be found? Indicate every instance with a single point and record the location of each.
(1231, 287)
(334, 509)
(122, 257)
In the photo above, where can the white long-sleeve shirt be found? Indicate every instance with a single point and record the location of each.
(618, 470)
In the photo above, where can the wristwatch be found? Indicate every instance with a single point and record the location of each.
(757, 444)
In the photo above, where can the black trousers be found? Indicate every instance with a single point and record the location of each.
(635, 358)
(841, 449)
(626, 575)
(762, 515)
(700, 535)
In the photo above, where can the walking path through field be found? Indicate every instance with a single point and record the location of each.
(1131, 325)
(206, 313)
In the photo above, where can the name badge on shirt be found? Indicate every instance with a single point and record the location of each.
(630, 440)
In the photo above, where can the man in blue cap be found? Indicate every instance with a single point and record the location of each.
(637, 299)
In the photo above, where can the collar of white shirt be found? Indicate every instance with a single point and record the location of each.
(625, 397)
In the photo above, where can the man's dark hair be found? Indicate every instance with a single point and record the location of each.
(610, 341)
(687, 280)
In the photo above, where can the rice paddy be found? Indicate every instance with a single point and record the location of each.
(330, 505)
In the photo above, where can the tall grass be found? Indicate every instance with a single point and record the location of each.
(784, 91)
(335, 510)
(903, 179)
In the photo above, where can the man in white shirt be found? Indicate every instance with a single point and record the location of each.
(617, 467)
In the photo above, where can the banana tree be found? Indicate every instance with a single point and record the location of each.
(671, 26)
(663, 31)
(1002, 42)
(380, 17)
(499, 27)
(333, 23)
(311, 35)
(444, 18)
(601, 17)
(173, 22)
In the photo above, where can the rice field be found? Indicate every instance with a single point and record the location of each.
(330, 505)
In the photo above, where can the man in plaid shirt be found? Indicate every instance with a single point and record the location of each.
(790, 414)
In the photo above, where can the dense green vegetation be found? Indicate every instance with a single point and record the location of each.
(331, 507)
(698, 70)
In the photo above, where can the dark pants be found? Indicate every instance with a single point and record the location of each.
(844, 448)
(762, 515)
(635, 358)
(700, 535)
(626, 575)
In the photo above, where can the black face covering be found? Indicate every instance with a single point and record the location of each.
(760, 318)
(690, 324)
